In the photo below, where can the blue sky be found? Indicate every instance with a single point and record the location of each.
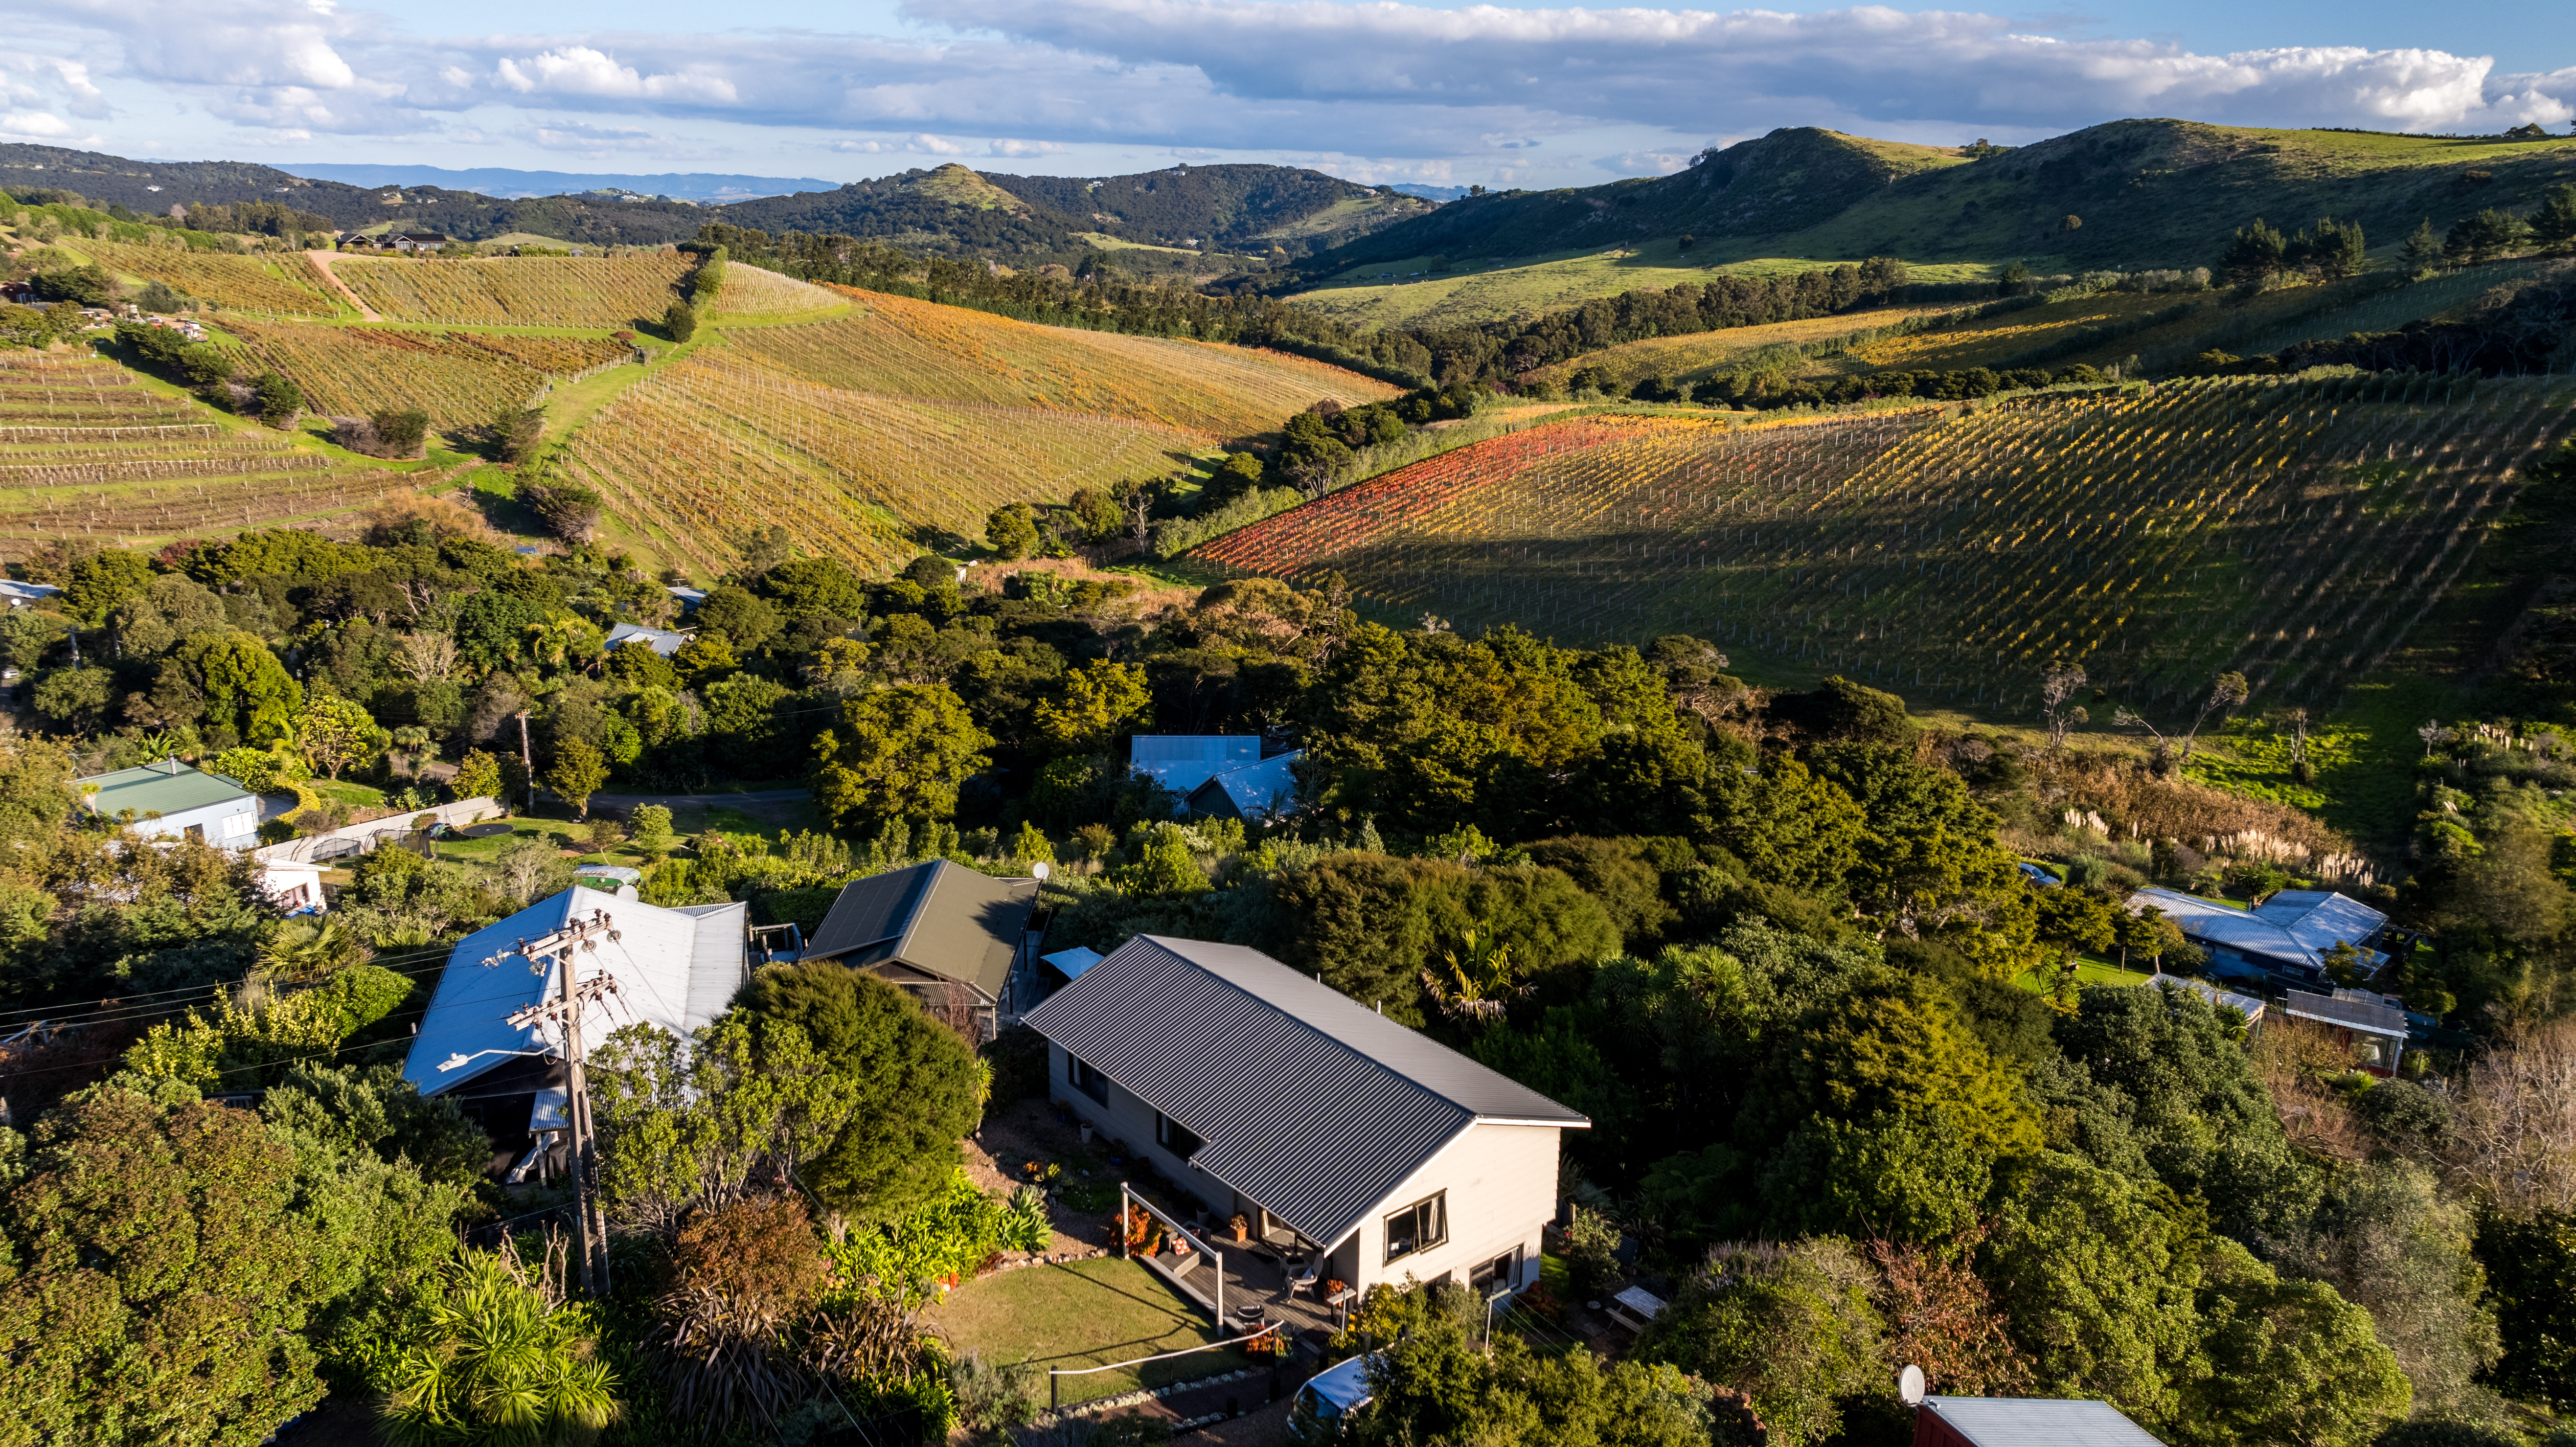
(1386, 91)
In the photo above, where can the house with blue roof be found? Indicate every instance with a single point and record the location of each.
(2284, 940)
(1218, 776)
(1252, 793)
(676, 969)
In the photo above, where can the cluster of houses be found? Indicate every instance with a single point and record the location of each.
(410, 241)
(2282, 947)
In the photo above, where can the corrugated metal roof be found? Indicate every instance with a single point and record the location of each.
(2301, 931)
(1256, 790)
(2247, 1005)
(1071, 963)
(2039, 1422)
(939, 917)
(1182, 762)
(172, 788)
(1309, 1102)
(661, 640)
(675, 968)
(2350, 1009)
(2317, 918)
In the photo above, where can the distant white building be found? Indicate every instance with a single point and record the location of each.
(172, 800)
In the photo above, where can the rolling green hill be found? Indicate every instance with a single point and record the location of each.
(2127, 195)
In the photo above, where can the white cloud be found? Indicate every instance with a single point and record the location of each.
(595, 140)
(578, 70)
(1023, 148)
(34, 125)
(1644, 163)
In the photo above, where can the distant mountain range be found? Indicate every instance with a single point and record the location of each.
(1276, 213)
(519, 185)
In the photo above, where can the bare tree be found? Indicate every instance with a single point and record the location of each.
(2226, 692)
(2433, 735)
(2515, 1141)
(428, 657)
(2056, 686)
(2128, 718)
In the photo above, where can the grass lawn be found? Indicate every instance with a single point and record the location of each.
(2089, 970)
(1088, 1313)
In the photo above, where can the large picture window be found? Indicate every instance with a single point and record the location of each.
(1418, 1227)
(1085, 1079)
(1175, 1137)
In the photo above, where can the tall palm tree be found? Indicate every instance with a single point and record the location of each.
(303, 951)
(411, 739)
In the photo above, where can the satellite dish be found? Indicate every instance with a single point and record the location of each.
(1909, 1386)
(1040, 869)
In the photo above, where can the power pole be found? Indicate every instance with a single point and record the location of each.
(564, 949)
(528, 760)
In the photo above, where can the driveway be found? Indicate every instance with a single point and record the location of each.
(773, 806)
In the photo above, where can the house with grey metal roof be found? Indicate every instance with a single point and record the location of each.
(1252, 792)
(2249, 1006)
(661, 640)
(2284, 939)
(2025, 1422)
(1333, 1131)
(2371, 1025)
(947, 934)
(676, 969)
(172, 800)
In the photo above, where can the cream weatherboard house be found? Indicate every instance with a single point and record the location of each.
(1364, 1145)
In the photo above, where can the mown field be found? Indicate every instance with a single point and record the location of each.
(2296, 531)
(88, 451)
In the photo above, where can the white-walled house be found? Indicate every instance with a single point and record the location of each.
(171, 800)
(1269, 1094)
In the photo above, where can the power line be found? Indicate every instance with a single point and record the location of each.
(134, 1006)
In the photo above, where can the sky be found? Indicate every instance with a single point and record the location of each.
(1379, 92)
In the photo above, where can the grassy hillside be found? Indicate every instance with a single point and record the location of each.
(1435, 291)
(2145, 194)
(2294, 531)
(89, 449)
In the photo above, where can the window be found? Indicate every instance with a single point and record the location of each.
(1418, 1227)
(1085, 1079)
(1500, 1274)
(1175, 1137)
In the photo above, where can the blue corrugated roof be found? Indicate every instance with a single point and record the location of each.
(2299, 927)
(675, 968)
(660, 640)
(2038, 1422)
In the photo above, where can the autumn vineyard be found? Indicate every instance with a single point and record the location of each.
(2294, 530)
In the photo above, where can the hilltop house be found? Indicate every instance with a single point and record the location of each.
(675, 968)
(1252, 793)
(171, 800)
(1333, 1131)
(2285, 939)
(950, 936)
(416, 240)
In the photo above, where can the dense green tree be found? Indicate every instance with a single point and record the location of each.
(104, 579)
(919, 1088)
(898, 753)
(2289, 1361)
(2554, 225)
(333, 733)
(1790, 1326)
(577, 772)
(488, 1357)
(1012, 531)
(2485, 236)
(173, 1260)
(2256, 252)
(1096, 703)
(801, 586)
(2095, 1274)
(1434, 1384)
(743, 617)
(2530, 1266)
(231, 680)
(1788, 826)
(1933, 865)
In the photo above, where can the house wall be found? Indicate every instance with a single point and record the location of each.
(229, 824)
(1501, 1181)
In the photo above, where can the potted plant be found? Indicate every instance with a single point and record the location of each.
(1086, 1132)
(1241, 1227)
